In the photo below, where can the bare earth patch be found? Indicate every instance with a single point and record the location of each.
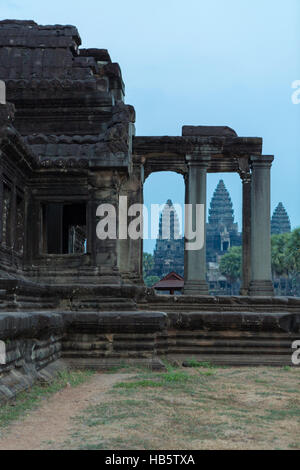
(194, 408)
(48, 426)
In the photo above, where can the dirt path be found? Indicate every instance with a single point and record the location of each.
(51, 422)
(201, 408)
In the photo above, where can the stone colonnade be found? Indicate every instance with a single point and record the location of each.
(256, 252)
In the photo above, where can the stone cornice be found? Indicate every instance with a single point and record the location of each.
(227, 146)
(12, 144)
(264, 161)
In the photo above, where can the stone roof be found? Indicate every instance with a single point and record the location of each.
(29, 51)
(69, 102)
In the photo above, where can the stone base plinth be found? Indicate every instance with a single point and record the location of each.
(264, 288)
(195, 288)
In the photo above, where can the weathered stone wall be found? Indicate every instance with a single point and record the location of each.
(100, 340)
(228, 330)
(39, 344)
(33, 344)
(231, 338)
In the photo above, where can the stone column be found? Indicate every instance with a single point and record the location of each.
(33, 245)
(105, 190)
(1, 205)
(261, 277)
(245, 174)
(90, 226)
(130, 252)
(13, 215)
(195, 260)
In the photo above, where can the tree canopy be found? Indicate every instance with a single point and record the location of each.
(230, 264)
(285, 259)
(148, 263)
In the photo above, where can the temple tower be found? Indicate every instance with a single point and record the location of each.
(280, 222)
(169, 249)
(222, 231)
(221, 210)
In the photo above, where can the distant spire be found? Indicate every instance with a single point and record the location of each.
(221, 210)
(171, 222)
(280, 222)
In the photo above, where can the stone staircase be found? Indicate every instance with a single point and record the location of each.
(18, 295)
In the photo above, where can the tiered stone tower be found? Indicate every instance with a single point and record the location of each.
(221, 234)
(221, 230)
(280, 222)
(169, 250)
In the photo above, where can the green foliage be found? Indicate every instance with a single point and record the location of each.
(293, 252)
(231, 263)
(194, 363)
(279, 245)
(151, 280)
(286, 258)
(148, 263)
(286, 253)
(165, 379)
(138, 384)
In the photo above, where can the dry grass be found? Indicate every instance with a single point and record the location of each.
(198, 408)
(181, 409)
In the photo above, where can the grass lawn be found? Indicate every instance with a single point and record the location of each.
(201, 407)
(184, 408)
(32, 398)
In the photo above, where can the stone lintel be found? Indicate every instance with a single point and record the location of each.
(221, 147)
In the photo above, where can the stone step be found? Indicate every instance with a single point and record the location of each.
(224, 350)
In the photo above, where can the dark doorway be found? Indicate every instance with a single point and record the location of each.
(64, 228)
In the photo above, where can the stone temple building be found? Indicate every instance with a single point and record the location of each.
(68, 146)
(68, 150)
(221, 230)
(221, 234)
(169, 248)
(280, 222)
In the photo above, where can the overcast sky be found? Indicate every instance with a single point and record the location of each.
(213, 62)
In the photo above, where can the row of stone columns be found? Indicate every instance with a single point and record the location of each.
(256, 252)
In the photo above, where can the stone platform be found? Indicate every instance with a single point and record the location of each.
(222, 331)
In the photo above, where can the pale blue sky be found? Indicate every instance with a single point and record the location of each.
(213, 62)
